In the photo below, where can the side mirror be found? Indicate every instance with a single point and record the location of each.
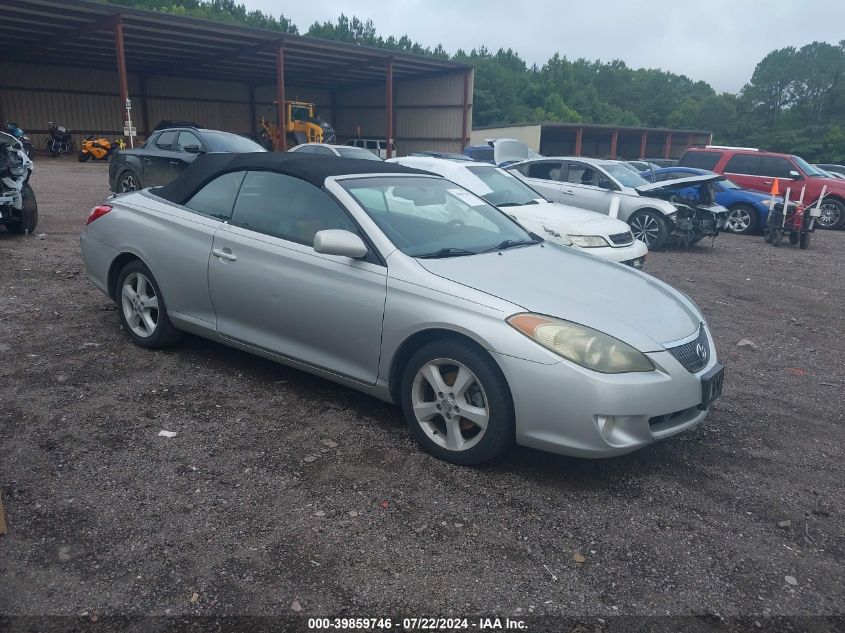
(794, 175)
(193, 149)
(341, 243)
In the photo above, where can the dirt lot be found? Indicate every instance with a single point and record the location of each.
(741, 517)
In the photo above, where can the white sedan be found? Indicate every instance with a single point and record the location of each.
(597, 234)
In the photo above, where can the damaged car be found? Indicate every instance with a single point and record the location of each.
(18, 208)
(657, 213)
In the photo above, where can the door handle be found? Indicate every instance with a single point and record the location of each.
(569, 192)
(767, 182)
(175, 162)
(224, 253)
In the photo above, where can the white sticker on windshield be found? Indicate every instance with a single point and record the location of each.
(467, 198)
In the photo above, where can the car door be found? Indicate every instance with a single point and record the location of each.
(183, 157)
(581, 187)
(746, 170)
(544, 176)
(155, 161)
(271, 289)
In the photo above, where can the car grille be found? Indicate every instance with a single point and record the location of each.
(688, 353)
(622, 239)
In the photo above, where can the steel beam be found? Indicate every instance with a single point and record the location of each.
(280, 92)
(122, 79)
(389, 107)
(614, 142)
(579, 137)
(465, 106)
(103, 23)
(667, 147)
(643, 144)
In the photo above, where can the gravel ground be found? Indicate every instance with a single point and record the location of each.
(283, 493)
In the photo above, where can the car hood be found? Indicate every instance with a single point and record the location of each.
(677, 182)
(565, 283)
(572, 220)
(508, 150)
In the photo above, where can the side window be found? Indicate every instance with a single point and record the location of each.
(522, 169)
(305, 149)
(744, 164)
(776, 167)
(545, 170)
(582, 174)
(322, 151)
(167, 140)
(150, 141)
(217, 198)
(372, 145)
(186, 139)
(701, 160)
(287, 207)
(671, 175)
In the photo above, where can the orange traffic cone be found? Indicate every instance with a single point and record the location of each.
(775, 190)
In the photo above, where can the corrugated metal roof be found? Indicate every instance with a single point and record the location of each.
(81, 33)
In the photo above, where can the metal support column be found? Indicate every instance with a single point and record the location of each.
(120, 52)
(579, 136)
(643, 144)
(614, 142)
(465, 127)
(281, 144)
(389, 107)
(667, 147)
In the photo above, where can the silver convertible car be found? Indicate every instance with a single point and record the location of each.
(407, 287)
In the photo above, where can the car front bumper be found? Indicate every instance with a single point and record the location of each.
(564, 408)
(632, 255)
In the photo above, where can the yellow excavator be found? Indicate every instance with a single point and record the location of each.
(302, 125)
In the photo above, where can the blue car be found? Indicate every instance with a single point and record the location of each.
(748, 209)
(482, 153)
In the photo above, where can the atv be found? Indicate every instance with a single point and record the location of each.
(18, 207)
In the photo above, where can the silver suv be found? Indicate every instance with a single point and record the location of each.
(655, 212)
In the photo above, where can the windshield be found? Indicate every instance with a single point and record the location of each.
(628, 177)
(224, 142)
(357, 152)
(808, 169)
(428, 217)
(501, 189)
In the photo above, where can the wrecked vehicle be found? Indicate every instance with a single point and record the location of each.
(656, 213)
(18, 208)
(698, 214)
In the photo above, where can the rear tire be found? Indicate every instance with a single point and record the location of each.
(29, 214)
(793, 238)
(833, 214)
(141, 307)
(804, 242)
(742, 219)
(83, 156)
(469, 418)
(649, 227)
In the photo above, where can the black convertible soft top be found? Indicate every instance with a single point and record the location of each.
(314, 169)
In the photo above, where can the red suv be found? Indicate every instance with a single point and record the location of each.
(754, 169)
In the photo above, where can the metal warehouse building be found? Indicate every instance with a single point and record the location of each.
(606, 141)
(76, 62)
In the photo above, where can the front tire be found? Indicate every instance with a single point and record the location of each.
(128, 181)
(29, 213)
(83, 156)
(649, 227)
(832, 214)
(142, 310)
(804, 241)
(457, 402)
(742, 220)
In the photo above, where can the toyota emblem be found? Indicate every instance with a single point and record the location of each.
(701, 351)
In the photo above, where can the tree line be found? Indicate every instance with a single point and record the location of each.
(794, 101)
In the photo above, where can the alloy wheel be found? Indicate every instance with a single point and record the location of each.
(738, 220)
(645, 228)
(140, 305)
(830, 215)
(128, 183)
(450, 405)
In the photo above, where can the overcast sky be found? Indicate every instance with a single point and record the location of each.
(719, 41)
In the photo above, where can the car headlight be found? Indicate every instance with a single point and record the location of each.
(580, 344)
(587, 241)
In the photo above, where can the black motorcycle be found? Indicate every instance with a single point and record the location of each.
(60, 141)
(18, 133)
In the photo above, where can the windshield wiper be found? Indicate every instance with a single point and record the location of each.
(511, 244)
(446, 252)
